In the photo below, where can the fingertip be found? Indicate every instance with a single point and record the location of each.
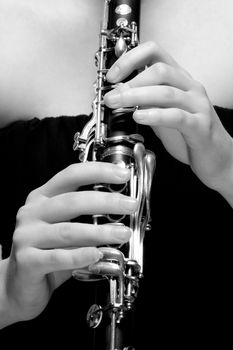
(100, 254)
(138, 115)
(123, 234)
(121, 172)
(95, 254)
(141, 117)
(89, 255)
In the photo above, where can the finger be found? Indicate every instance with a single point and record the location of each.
(46, 261)
(143, 55)
(157, 96)
(185, 122)
(68, 206)
(162, 74)
(65, 235)
(80, 174)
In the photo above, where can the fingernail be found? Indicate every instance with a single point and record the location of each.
(112, 98)
(101, 255)
(122, 173)
(113, 74)
(121, 233)
(94, 268)
(129, 204)
(97, 255)
(139, 115)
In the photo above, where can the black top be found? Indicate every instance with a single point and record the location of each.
(185, 297)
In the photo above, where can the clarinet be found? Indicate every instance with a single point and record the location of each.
(112, 136)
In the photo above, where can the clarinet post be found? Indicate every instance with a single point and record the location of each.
(112, 136)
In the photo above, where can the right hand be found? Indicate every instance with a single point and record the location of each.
(47, 246)
(178, 110)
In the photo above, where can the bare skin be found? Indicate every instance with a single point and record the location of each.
(47, 247)
(179, 112)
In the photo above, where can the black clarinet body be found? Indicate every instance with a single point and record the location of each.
(112, 136)
(123, 22)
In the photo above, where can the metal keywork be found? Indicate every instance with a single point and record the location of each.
(112, 136)
(94, 316)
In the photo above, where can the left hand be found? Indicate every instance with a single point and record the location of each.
(179, 111)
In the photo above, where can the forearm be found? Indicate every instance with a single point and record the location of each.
(7, 316)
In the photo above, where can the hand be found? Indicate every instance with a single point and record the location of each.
(47, 246)
(178, 110)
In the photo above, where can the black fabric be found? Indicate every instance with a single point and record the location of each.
(185, 298)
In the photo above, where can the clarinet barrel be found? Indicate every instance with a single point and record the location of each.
(112, 136)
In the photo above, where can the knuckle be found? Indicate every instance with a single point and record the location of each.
(191, 123)
(22, 236)
(20, 257)
(152, 46)
(24, 258)
(161, 70)
(64, 232)
(69, 171)
(27, 213)
(178, 115)
(22, 213)
(184, 121)
(73, 168)
(75, 258)
(53, 257)
(32, 195)
(168, 93)
(17, 238)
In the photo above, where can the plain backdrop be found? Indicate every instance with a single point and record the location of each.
(47, 50)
